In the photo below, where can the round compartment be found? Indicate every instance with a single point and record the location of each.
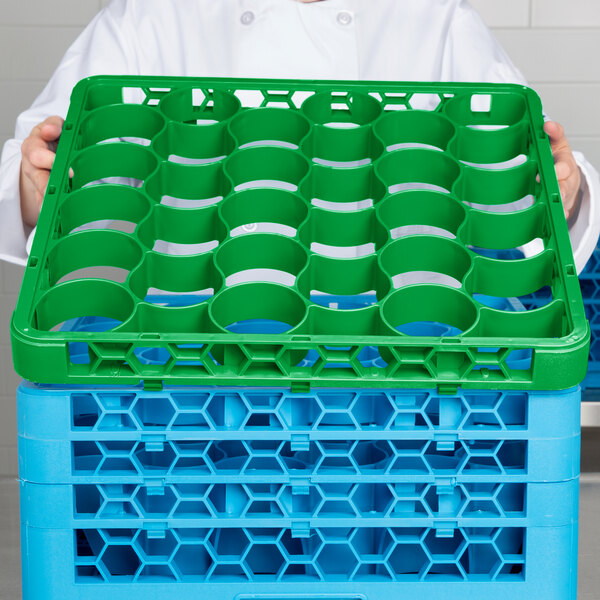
(413, 169)
(416, 308)
(159, 274)
(425, 259)
(196, 106)
(81, 298)
(183, 144)
(342, 147)
(269, 126)
(189, 186)
(92, 250)
(504, 188)
(126, 122)
(261, 257)
(96, 204)
(341, 109)
(127, 164)
(267, 167)
(182, 232)
(343, 234)
(343, 279)
(343, 189)
(414, 128)
(421, 212)
(263, 207)
(276, 308)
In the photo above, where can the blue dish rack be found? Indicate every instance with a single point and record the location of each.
(262, 493)
(267, 494)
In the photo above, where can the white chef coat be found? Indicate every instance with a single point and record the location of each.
(408, 40)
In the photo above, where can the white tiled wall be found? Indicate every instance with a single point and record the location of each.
(556, 43)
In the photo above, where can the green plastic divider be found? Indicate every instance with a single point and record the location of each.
(248, 199)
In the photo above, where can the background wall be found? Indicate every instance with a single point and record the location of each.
(555, 43)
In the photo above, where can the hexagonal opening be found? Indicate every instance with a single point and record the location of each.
(156, 502)
(300, 412)
(298, 505)
(192, 560)
(445, 461)
(154, 412)
(154, 355)
(442, 546)
(372, 543)
(229, 544)
(373, 499)
(408, 560)
(445, 504)
(480, 559)
(372, 455)
(300, 549)
(408, 457)
(227, 411)
(422, 101)
(372, 410)
(156, 548)
(152, 461)
(450, 364)
(228, 455)
(265, 559)
(229, 500)
(337, 559)
(120, 561)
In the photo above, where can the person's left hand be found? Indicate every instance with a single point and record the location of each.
(567, 171)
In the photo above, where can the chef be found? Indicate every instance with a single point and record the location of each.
(408, 40)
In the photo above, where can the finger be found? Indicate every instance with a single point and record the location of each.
(564, 170)
(555, 132)
(51, 129)
(42, 158)
(39, 178)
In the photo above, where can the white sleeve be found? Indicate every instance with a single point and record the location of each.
(104, 47)
(474, 54)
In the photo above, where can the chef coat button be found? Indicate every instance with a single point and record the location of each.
(344, 18)
(247, 18)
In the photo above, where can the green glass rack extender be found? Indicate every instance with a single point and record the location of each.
(250, 198)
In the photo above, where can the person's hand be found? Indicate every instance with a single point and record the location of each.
(567, 171)
(38, 153)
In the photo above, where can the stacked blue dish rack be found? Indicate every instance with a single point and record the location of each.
(237, 492)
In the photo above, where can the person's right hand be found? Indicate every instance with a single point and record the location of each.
(38, 153)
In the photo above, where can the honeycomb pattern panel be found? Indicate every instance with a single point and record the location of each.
(346, 459)
(326, 501)
(245, 227)
(319, 411)
(326, 554)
